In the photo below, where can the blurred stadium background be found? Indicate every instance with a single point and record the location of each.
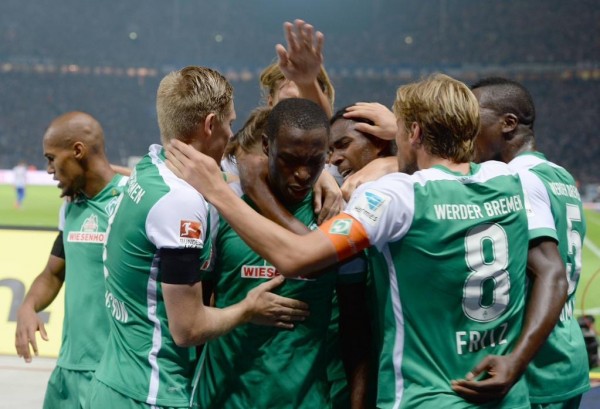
(107, 57)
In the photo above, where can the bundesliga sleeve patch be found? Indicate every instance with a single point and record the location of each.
(369, 206)
(190, 233)
(347, 235)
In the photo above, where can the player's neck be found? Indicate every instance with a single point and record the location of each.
(428, 161)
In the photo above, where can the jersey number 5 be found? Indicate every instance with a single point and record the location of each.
(574, 247)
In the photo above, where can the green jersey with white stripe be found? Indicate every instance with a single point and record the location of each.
(157, 210)
(559, 370)
(453, 250)
(84, 224)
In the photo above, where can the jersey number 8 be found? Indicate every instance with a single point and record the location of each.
(486, 255)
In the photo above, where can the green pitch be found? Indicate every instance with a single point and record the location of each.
(42, 203)
(40, 207)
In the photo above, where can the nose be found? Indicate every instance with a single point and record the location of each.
(336, 158)
(302, 174)
(50, 169)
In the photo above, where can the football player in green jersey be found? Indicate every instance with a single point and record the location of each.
(444, 232)
(158, 240)
(558, 375)
(292, 366)
(74, 148)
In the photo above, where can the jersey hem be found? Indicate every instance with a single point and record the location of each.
(80, 368)
(542, 232)
(558, 398)
(159, 402)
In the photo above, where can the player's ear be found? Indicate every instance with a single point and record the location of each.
(415, 135)
(209, 123)
(509, 123)
(79, 150)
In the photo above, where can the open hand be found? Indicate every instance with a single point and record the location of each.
(272, 309)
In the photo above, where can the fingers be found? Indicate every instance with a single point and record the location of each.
(175, 159)
(290, 36)
(349, 186)
(43, 333)
(284, 59)
(22, 347)
(469, 394)
(365, 128)
(317, 200)
(331, 208)
(289, 306)
(481, 367)
(272, 284)
(284, 325)
(480, 391)
(320, 42)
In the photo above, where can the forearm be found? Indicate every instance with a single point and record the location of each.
(546, 299)
(272, 209)
(193, 323)
(291, 254)
(213, 322)
(44, 290)
(313, 92)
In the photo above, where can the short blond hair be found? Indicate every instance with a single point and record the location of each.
(447, 113)
(272, 76)
(186, 97)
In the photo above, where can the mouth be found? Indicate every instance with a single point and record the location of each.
(299, 190)
(345, 172)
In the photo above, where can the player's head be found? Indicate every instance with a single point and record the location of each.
(296, 143)
(195, 105)
(249, 138)
(72, 144)
(275, 87)
(438, 116)
(507, 117)
(350, 149)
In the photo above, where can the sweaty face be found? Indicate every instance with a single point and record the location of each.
(350, 149)
(285, 89)
(296, 159)
(489, 142)
(63, 165)
(221, 133)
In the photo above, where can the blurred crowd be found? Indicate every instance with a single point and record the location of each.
(383, 35)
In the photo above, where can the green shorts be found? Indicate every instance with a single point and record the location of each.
(67, 389)
(102, 397)
(572, 403)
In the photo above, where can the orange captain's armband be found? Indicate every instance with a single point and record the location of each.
(347, 235)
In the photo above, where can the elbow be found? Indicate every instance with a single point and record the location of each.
(289, 267)
(562, 285)
(182, 339)
(186, 338)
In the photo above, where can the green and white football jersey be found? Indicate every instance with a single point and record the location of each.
(559, 371)
(84, 225)
(255, 366)
(453, 249)
(157, 210)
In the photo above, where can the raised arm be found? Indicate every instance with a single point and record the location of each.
(43, 291)
(384, 121)
(301, 61)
